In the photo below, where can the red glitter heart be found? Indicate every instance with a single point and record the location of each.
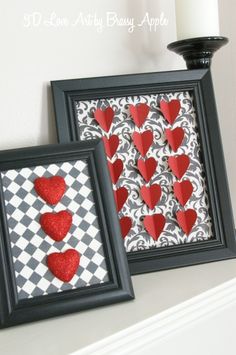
(56, 225)
(64, 265)
(50, 189)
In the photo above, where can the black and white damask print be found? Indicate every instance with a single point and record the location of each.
(123, 126)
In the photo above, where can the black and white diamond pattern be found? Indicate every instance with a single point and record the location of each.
(30, 245)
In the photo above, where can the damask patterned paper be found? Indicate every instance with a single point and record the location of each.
(123, 126)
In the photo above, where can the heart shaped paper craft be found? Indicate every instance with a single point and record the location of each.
(56, 225)
(183, 190)
(170, 110)
(147, 168)
(143, 141)
(139, 113)
(115, 169)
(64, 265)
(125, 225)
(186, 220)
(50, 189)
(179, 164)
(154, 225)
(121, 196)
(111, 145)
(174, 137)
(151, 195)
(104, 118)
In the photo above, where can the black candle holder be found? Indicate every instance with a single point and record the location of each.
(198, 52)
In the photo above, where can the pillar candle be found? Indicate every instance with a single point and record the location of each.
(196, 18)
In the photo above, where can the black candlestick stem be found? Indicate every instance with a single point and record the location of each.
(198, 52)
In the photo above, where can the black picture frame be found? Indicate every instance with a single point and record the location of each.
(199, 83)
(118, 287)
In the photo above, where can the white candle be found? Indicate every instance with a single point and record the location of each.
(196, 18)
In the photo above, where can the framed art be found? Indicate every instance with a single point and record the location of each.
(60, 243)
(163, 146)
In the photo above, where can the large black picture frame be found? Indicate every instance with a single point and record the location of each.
(118, 287)
(199, 83)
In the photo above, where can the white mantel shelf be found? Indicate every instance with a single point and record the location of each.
(158, 304)
(209, 318)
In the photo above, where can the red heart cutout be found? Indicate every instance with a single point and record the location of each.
(50, 189)
(170, 110)
(104, 118)
(143, 141)
(154, 225)
(151, 195)
(116, 169)
(147, 168)
(186, 220)
(175, 137)
(111, 145)
(139, 113)
(64, 265)
(179, 164)
(121, 196)
(183, 190)
(56, 225)
(125, 225)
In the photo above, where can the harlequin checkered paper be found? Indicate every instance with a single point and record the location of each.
(30, 245)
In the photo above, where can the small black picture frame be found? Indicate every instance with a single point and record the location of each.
(74, 97)
(28, 290)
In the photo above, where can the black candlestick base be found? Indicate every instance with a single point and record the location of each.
(198, 52)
